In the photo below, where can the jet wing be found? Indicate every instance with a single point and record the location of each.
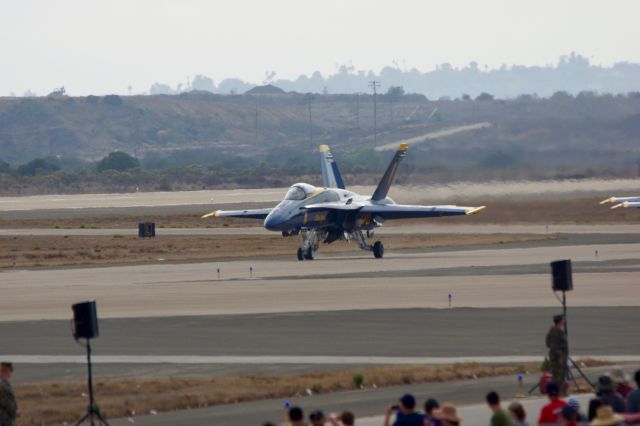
(395, 211)
(248, 214)
(624, 202)
(403, 211)
(628, 205)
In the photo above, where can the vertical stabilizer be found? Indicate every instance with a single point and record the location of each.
(331, 177)
(385, 183)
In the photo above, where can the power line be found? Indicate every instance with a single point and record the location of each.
(374, 85)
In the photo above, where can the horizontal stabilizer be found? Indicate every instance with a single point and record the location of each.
(385, 183)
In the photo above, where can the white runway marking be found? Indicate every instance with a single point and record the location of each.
(287, 359)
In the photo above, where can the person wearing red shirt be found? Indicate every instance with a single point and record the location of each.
(550, 413)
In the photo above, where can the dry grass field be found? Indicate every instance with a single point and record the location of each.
(582, 211)
(30, 251)
(55, 403)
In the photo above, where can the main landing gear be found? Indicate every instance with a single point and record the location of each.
(310, 244)
(377, 248)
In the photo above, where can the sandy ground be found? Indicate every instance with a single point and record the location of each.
(404, 229)
(599, 189)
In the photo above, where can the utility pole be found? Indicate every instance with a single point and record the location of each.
(358, 110)
(256, 120)
(374, 85)
(309, 99)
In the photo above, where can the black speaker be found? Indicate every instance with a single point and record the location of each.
(146, 230)
(85, 320)
(562, 279)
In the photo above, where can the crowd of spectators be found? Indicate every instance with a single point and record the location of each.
(615, 403)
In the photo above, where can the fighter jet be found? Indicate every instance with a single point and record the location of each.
(624, 202)
(331, 213)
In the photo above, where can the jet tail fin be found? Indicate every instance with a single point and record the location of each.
(385, 183)
(331, 177)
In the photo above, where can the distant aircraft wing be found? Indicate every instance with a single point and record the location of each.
(331, 177)
(249, 214)
(624, 202)
(628, 205)
(403, 211)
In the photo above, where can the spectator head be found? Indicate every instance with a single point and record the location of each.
(618, 376)
(429, 405)
(317, 418)
(296, 416)
(553, 391)
(347, 418)
(6, 370)
(605, 385)
(517, 411)
(558, 319)
(606, 417)
(448, 414)
(569, 413)
(493, 399)
(407, 403)
(594, 404)
(574, 403)
(637, 378)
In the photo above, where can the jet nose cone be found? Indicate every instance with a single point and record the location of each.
(273, 221)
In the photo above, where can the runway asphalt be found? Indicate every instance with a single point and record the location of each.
(285, 342)
(400, 280)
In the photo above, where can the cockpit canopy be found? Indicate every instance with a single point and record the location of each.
(300, 191)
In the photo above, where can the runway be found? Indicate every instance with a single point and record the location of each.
(296, 342)
(507, 277)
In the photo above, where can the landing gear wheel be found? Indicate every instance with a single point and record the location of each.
(378, 250)
(300, 254)
(309, 254)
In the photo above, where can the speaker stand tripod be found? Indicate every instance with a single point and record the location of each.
(92, 411)
(570, 374)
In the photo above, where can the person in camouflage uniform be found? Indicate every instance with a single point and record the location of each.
(558, 353)
(8, 406)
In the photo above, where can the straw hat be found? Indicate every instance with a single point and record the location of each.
(618, 376)
(447, 412)
(606, 417)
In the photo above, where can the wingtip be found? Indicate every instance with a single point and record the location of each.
(623, 205)
(475, 210)
(324, 148)
(212, 214)
(608, 200)
(403, 147)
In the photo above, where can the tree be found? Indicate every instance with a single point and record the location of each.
(36, 167)
(204, 83)
(395, 92)
(118, 161)
(4, 166)
(113, 100)
(484, 96)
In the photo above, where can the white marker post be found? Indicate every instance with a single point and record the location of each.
(450, 299)
(250, 271)
(218, 270)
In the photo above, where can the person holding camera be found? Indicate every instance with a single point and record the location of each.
(405, 413)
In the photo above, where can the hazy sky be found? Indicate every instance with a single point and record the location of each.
(103, 47)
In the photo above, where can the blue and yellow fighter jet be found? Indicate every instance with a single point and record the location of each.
(333, 213)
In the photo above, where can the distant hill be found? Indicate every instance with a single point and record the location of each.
(586, 134)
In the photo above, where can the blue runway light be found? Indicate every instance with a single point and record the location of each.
(287, 404)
